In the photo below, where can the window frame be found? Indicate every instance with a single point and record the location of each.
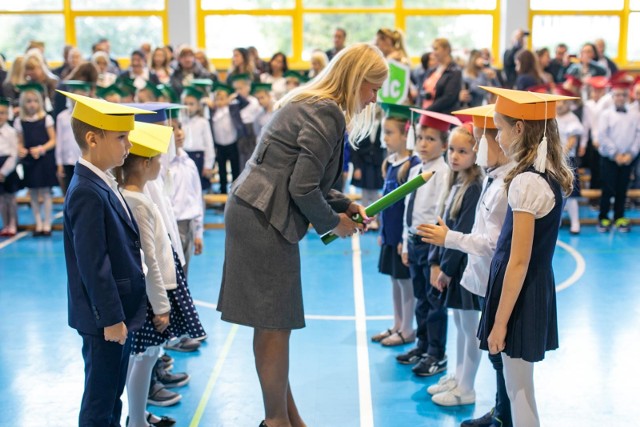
(298, 11)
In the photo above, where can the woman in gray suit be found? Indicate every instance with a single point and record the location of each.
(285, 186)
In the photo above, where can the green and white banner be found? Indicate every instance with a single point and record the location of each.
(396, 89)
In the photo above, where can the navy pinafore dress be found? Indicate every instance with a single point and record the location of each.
(533, 326)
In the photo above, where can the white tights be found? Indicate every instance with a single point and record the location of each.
(518, 377)
(9, 211)
(574, 213)
(36, 194)
(404, 304)
(369, 196)
(138, 380)
(468, 354)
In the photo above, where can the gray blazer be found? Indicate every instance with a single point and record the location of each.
(295, 164)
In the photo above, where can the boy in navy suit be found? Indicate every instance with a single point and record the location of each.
(106, 282)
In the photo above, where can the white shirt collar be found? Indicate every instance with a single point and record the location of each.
(107, 177)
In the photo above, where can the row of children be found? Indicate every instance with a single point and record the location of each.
(127, 253)
(449, 245)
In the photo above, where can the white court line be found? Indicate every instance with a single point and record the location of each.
(362, 341)
(578, 272)
(14, 239)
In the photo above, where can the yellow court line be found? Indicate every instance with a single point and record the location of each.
(195, 421)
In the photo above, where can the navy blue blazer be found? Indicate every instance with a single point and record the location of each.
(105, 280)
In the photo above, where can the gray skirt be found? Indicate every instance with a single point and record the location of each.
(261, 284)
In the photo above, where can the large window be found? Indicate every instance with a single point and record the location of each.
(575, 22)
(297, 27)
(126, 23)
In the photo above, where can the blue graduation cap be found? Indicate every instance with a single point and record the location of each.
(160, 108)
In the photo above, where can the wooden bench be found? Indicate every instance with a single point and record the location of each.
(591, 193)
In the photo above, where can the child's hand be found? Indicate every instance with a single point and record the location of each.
(207, 173)
(435, 272)
(434, 234)
(442, 281)
(116, 333)
(161, 322)
(197, 246)
(35, 152)
(405, 259)
(497, 339)
(60, 172)
(22, 152)
(357, 174)
(2, 177)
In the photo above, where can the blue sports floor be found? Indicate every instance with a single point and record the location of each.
(339, 378)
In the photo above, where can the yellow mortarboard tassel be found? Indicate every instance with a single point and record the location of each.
(411, 135)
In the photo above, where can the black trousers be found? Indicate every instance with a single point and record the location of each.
(431, 315)
(105, 375)
(615, 182)
(226, 153)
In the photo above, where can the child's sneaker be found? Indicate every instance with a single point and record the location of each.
(429, 365)
(623, 225)
(604, 225)
(446, 383)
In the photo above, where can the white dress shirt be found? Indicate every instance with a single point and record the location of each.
(569, 125)
(224, 133)
(426, 206)
(249, 113)
(67, 149)
(480, 244)
(156, 246)
(8, 147)
(108, 179)
(619, 133)
(187, 192)
(261, 122)
(198, 137)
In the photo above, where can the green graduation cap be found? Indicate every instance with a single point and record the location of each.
(238, 77)
(5, 101)
(296, 75)
(173, 112)
(152, 88)
(398, 111)
(194, 92)
(30, 86)
(258, 87)
(103, 92)
(202, 84)
(168, 92)
(127, 87)
(77, 85)
(222, 87)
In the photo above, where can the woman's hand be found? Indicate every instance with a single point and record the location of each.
(497, 339)
(357, 209)
(433, 234)
(347, 227)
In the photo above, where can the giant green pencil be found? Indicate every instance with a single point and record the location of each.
(387, 200)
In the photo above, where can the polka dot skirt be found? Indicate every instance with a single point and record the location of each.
(183, 320)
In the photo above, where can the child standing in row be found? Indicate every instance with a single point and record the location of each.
(36, 142)
(246, 144)
(198, 142)
(262, 92)
(423, 206)
(522, 283)
(186, 199)
(9, 179)
(395, 170)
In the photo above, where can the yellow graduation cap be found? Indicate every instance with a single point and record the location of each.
(102, 114)
(526, 105)
(149, 140)
(482, 118)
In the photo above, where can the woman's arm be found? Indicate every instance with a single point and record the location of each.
(523, 229)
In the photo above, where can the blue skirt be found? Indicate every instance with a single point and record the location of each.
(183, 320)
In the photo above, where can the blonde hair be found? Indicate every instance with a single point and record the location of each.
(34, 58)
(13, 76)
(340, 81)
(23, 112)
(466, 177)
(397, 38)
(320, 57)
(525, 149)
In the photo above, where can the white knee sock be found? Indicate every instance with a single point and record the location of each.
(518, 377)
(408, 307)
(574, 213)
(34, 194)
(472, 354)
(459, 343)
(397, 304)
(369, 196)
(138, 380)
(48, 208)
(12, 211)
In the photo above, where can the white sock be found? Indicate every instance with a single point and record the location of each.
(138, 380)
(472, 353)
(34, 194)
(408, 307)
(574, 213)
(459, 343)
(48, 208)
(518, 378)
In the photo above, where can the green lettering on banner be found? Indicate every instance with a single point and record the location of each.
(396, 89)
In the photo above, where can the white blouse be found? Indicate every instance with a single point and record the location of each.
(569, 126)
(530, 192)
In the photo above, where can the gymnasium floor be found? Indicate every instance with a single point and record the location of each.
(339, 377)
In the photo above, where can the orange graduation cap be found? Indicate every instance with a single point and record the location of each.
(439, 121)
(529, 106)
(598, 82)
(482, 118)
(543, 88)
